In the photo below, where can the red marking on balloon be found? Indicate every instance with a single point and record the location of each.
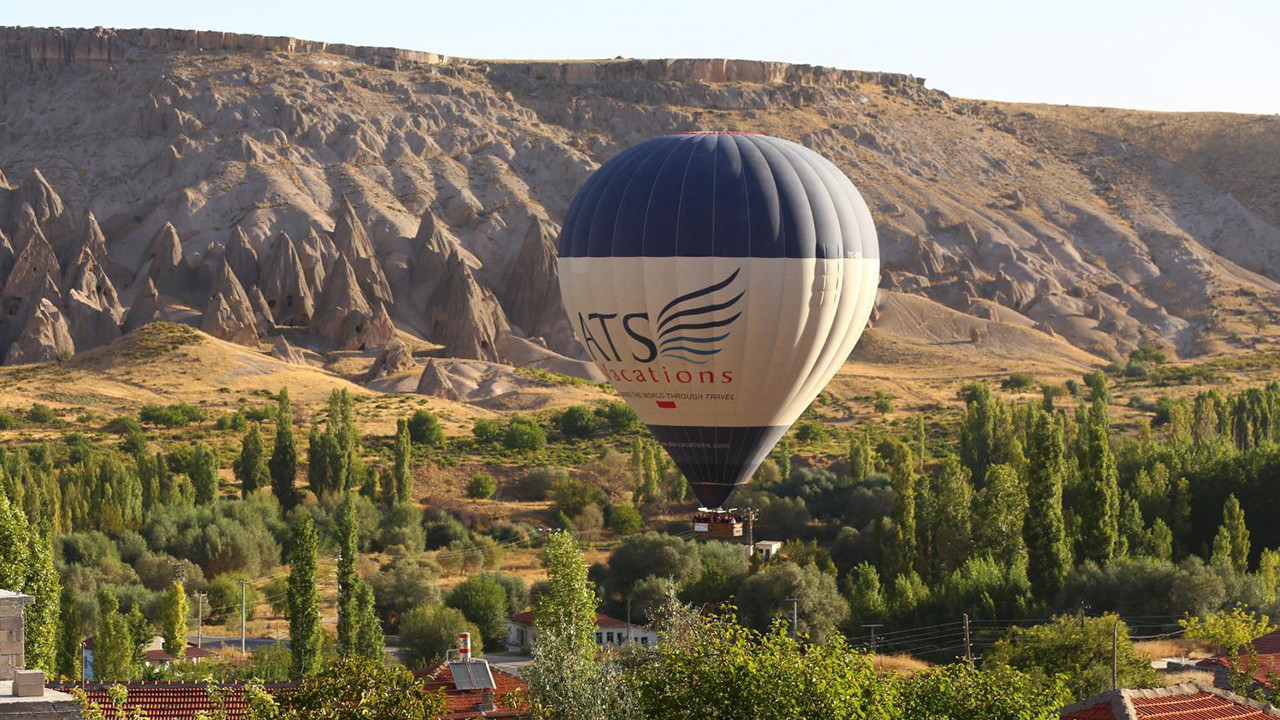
(667, 404)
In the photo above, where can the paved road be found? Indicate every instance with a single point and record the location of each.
(215, 642)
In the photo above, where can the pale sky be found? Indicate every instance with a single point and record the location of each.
(1150, 54)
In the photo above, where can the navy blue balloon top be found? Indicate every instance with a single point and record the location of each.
(715, 194)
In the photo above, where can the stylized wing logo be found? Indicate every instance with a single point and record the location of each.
(685, 328)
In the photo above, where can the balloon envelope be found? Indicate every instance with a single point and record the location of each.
(719, 280)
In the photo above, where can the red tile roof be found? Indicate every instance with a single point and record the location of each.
(1267, 648)
(162, 700)
(510, 695)
(1190, 701)
(602, 621)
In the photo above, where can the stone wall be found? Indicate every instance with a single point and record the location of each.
(12, 655)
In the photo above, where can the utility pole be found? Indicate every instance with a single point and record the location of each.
(795, 616)
(968, 646)
(244, 584)
(872, 627)
(200, 619)
(1115, 654)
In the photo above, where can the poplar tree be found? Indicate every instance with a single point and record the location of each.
(403, 451)
(251, 467)
(204, 474)
(305, 634)
(369, 640)
(1100, 493)
(978, 432)
(953, 506)
(317, 461)
(1002, 508)
(173, 621)
(284, 456)
(70, 635)
(1237, 532)
(113, 647)
(26, 566)
(902, 478)
(1048, 554)
(348, 551)
(860, 458)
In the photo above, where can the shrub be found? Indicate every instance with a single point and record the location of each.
(401, 527)
(577, 421)
(524, 434)
(224, 597)
(482, 486)
(178, 415)
(538, 483)
(9, 421)
(445, 529)
(486, 431)
(41, 414)
(883, 402)
(811, 432)
(1019, 382)
(619, 416)
(410, 581)
(424, 429)
(123, 425)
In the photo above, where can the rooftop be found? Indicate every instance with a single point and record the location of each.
(1189, 701)
(1267, 648)
(509, 696)
(162, 700)
(602, 621)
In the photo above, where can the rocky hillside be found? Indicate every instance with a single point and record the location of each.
(317, 198)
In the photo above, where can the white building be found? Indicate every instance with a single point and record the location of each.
(610, 632)
(766, 549)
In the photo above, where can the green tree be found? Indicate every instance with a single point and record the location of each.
(1100, 494)
(424, 429)
(113, 647)
(902, 478)
(524, 434)
(305, 634)
(819, 607)
(1159, 541)
(866, 595)
(1233, 521)
(369, 640)
(203, 472)
(401, 472)
(978, 432)
(486, 432)
(484, 603)
(1001, 513)
(360, 688)
(1077, 649)
(954, 515)
(1048, 553)
(173, 621)
(1233, 631)
(26, 566)
(962, 692)
(427, 631)
(251, 467)
(70, 635)
(284, 456)
(577, 421)
(625, 519)
(566, 680)
(861, 459)
(348, 578)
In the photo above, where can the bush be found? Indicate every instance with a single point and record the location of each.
(178, 415)
(482, 486)
(577, 421)
(484, 603)
(883, 402)
(123, 425)
(1019, 382)
(427, 631)
(1148, 354)
(486, 431)
(41, 414)
(401, 527)
(524, 434)
(424, 429)
(445, 529)
(538, 483)
(625, 519)
(9, 421)
(811, 432)
(619, 416)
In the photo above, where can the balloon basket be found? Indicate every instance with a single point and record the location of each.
(717, 523)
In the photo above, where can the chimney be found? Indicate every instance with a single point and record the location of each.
(464, 646)
(487, 705)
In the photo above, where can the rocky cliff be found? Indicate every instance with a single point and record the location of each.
(347, 195)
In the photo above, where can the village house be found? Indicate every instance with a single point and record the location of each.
(610, 632)
(1189, 701)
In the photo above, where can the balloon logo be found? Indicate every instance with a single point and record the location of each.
(719, 280)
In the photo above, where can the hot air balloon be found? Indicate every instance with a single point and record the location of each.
(719, 280)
